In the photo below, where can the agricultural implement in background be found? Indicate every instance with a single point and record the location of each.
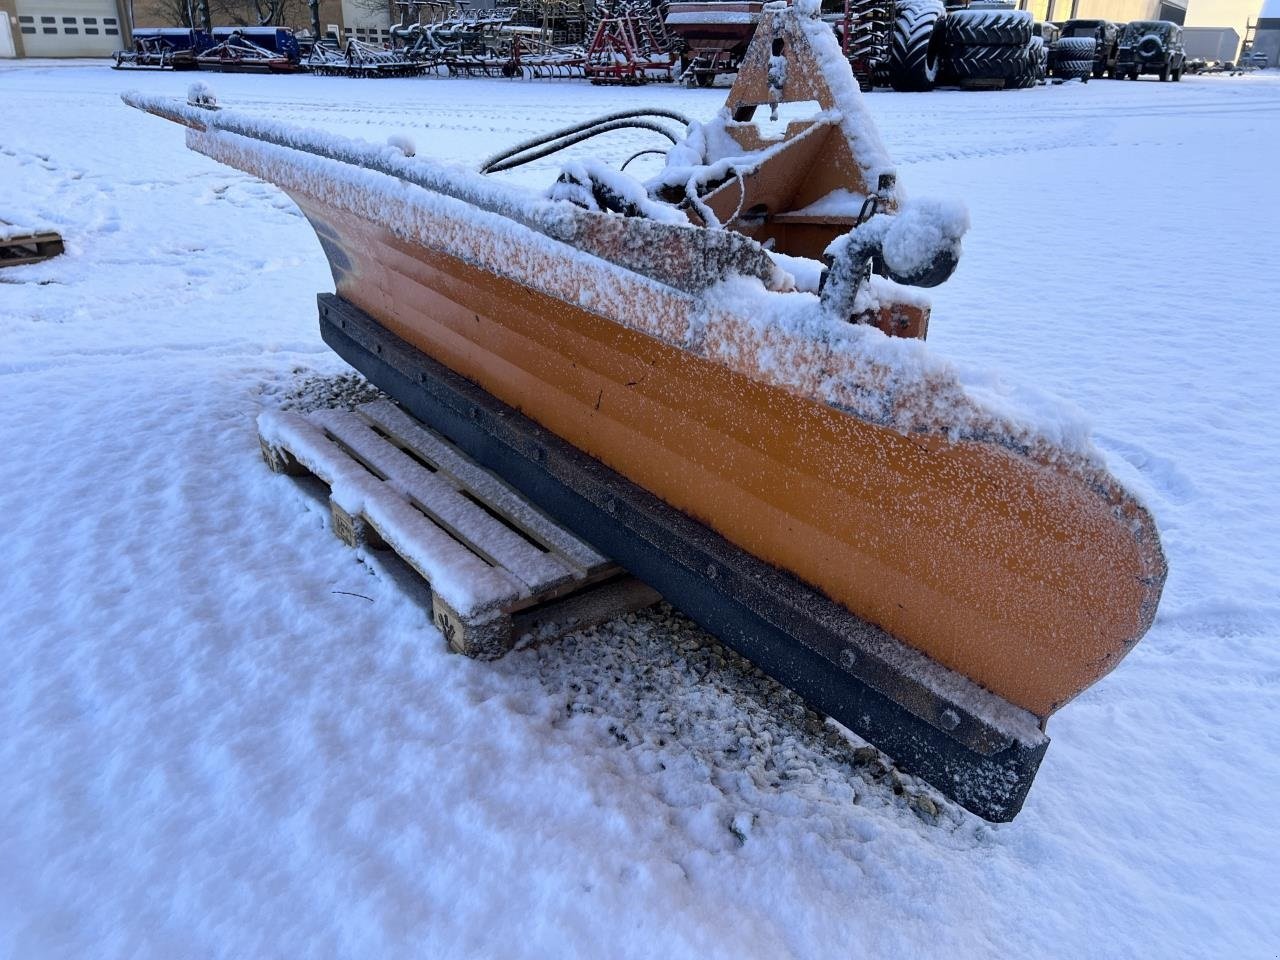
(715, 35)
(886, 42)
(864, 29)
(558, 23)
(442, 37)
(173, 48)
(714, 378)
(625, 43)
(535, 59)
(629, 45)
(360, 59)
(446, 38)
(252, 50)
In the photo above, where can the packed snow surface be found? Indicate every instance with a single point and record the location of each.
(17, 231)
(227, 735)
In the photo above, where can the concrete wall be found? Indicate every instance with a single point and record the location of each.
(1118, 11)
(1121, 11)
(1267, 40)
(1222, 13)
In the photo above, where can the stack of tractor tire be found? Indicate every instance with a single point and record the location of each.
(917, 45)
(1039, 60)
(1072, 58)
(992, 48)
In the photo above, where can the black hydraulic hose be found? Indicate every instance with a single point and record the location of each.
(511, 157)
(530, 154)
(640, 153)
(574, 128)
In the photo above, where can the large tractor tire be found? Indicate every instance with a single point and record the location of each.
(917, 45)
(881, 75)
(981, 62)
(989, 28)
(1072, 69)
(990, 47)
(1037, 63)
(1073, 58)
(1036, 67)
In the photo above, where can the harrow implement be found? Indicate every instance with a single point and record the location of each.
(360, 59)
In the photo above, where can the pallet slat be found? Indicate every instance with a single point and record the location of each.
(432, 493)
(489, 488)
(470, 585)
(499, 570)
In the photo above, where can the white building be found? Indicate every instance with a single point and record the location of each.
(63, 28)
(367, 21)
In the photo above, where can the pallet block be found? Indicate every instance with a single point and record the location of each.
(499, 570)
(27, 246)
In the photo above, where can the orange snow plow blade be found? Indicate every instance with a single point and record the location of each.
(692, 374)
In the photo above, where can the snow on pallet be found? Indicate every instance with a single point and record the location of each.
(19, 245)
(499, 569)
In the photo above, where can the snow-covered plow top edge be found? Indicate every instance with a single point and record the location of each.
(888, 381)
(558, 221)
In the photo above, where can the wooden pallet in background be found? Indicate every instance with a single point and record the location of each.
(32, 246)
(498, 568)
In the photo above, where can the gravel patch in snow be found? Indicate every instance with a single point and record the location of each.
(671, 696)
(322, 391)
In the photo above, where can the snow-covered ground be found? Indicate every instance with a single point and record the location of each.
(226, 735)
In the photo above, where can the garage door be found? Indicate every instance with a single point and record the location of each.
(69, 28)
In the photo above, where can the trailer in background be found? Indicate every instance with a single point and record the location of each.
(1211, 43)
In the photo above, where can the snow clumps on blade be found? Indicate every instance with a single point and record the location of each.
(594, 185)
(403, 143)
(919, 231)
(200, 94)
(691, 151)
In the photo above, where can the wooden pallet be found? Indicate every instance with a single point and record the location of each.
(499, 569)
(17, 247)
